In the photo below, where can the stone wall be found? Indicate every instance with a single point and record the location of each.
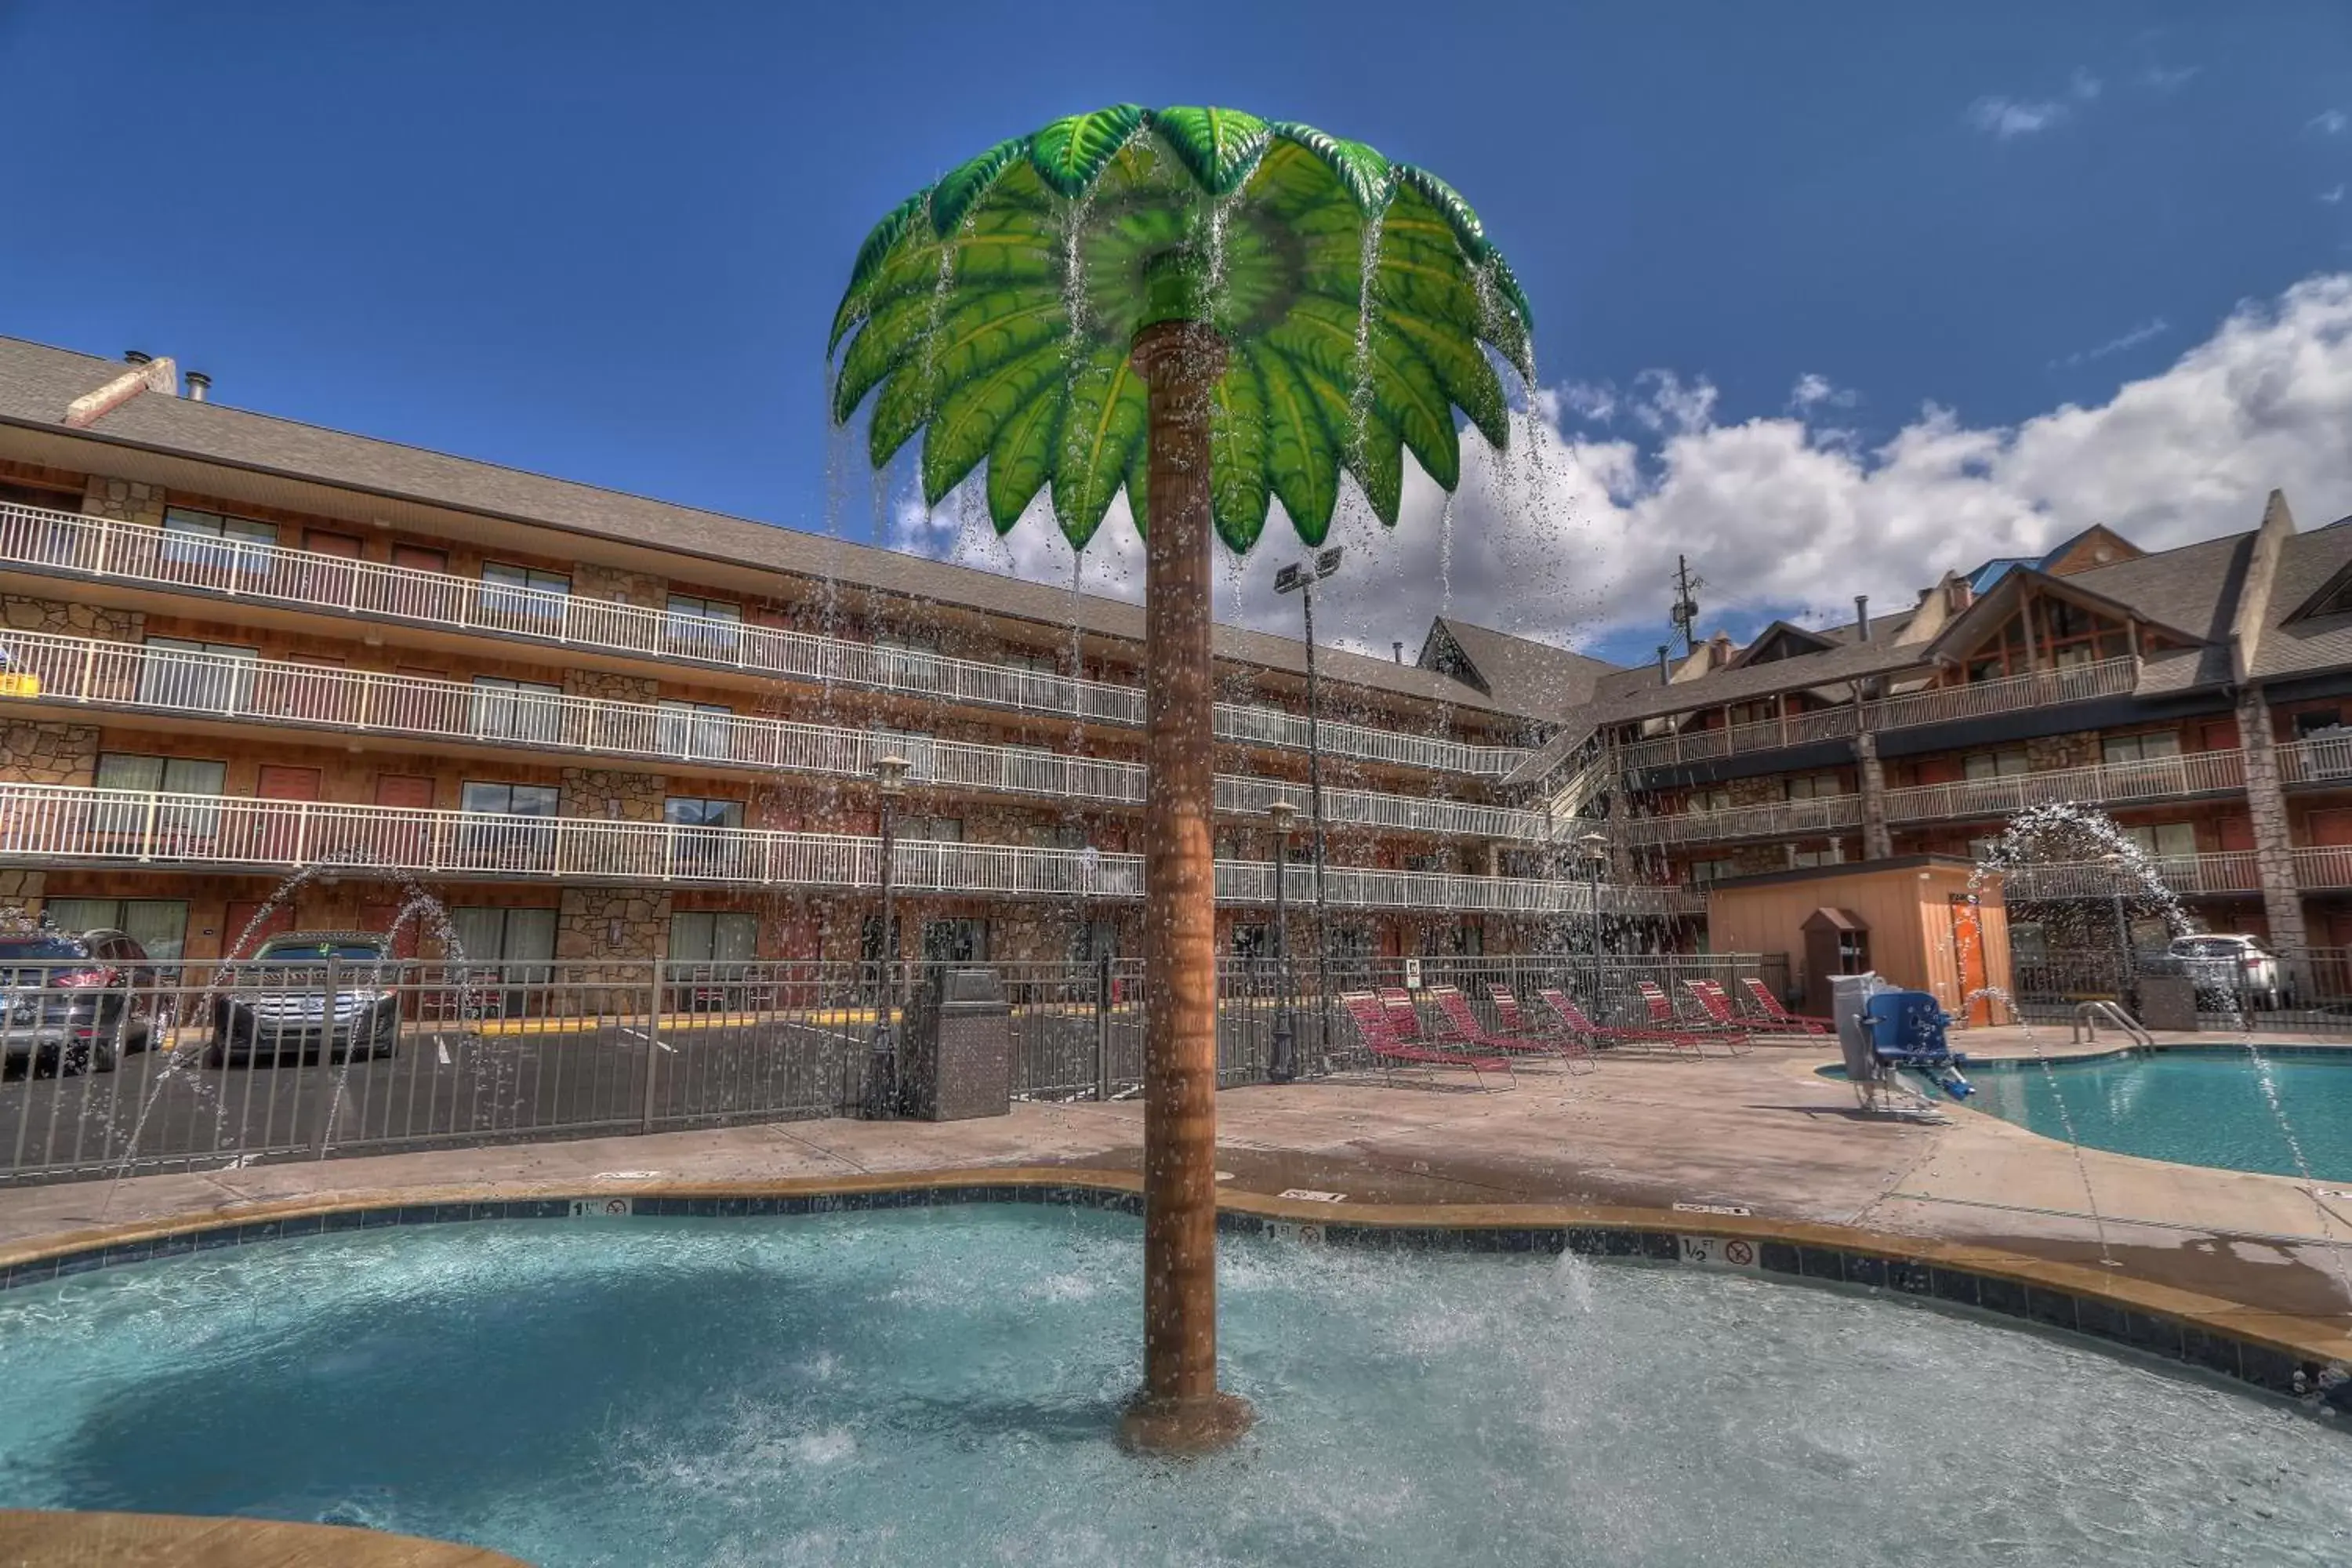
(28, 615)
(33, 753)
(2079, 749)
(611, 685)
(125, 500)
(591, 581)
(627, 925)
(612, 794)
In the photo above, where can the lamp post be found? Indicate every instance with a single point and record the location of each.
(1300, 578)
(882, 1060)
(1282, 1065)
(2117, 862)
(1596, 853)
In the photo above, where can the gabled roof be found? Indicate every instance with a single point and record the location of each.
(1967, 630)
(1521, 674)
(1782, 640)
(157, 431)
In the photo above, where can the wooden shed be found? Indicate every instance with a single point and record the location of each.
(1911, 919)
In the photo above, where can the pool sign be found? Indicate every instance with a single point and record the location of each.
(603, 1208)
(1720, 1251)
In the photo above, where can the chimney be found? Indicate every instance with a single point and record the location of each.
(1665, 671)
(1862, 617)
(1718, 650)
(136, 356)
(199, 384)
(1399, 645)
(1958, 595)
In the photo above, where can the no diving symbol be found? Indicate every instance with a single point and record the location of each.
(1740, 1254)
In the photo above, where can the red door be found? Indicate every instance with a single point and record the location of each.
(403, 843)
(288, 783)
(287, 835)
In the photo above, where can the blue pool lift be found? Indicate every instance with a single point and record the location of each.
(1894, 1044)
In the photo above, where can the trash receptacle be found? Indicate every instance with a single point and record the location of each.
(958, 1048)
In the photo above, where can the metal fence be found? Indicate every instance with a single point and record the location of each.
(112, 1069)
(2312, 992)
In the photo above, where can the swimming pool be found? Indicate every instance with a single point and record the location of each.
(2202, 1106)
(938, 1386)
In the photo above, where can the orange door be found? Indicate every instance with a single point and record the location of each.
(1969, 958)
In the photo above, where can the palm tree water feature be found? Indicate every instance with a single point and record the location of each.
(1214, 312)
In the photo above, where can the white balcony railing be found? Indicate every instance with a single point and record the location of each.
(2157, 778)
(2324, 760)
(1826, 813)
(49, 825)
(1905, 710)
(2223, 871)
(2324, 867)
(70, 544)
(86, 672)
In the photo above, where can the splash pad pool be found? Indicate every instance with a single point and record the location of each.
(939, 1385)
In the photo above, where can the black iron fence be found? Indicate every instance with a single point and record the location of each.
(2296, 990)
(110, 1068)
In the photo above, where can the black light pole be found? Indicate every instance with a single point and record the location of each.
(1596, 853)
(1282, 1065)
(1300, 578)
(882, 1062)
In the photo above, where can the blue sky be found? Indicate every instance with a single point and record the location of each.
(605, 242)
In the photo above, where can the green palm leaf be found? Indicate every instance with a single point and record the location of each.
(965, 425)
(1068, 153)
(1470, 382)
(1468, 232)
(953, 196)
(1302, 461)
(1362, 172)
(1107, 416)
(1022, 458)
(1319, 335)
(1219, 147)
(1237, 441)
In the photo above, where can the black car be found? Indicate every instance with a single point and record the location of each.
(276, 1005)
(72, 1003)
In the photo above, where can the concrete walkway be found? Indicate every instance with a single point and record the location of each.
(1762, 1132)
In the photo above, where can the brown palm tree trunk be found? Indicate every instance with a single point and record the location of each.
(1180, 1408)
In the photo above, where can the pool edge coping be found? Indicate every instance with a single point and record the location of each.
(2246, 1344)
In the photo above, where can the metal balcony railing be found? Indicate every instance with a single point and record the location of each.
(2224, 871)
(69, 544)
(85, 672)
(1905, 710)
(1825, 814)
(2324, 760)
(2157, 778)
(2324, 867)
(48, 825)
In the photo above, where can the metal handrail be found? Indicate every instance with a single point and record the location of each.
(91, 672)
(2083, 1028)
(49, 825)
(2193, 773)
(72, 544)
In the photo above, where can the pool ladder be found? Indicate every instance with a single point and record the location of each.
(2087, 1017)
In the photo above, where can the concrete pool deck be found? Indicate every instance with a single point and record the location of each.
(1761, 1133)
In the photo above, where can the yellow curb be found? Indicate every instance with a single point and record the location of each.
(177, 1540)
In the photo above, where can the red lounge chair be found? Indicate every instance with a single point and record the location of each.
(1557, 1037)
(1402, 1011)
(1779, 1019)
(1569, 1014)
(1457, 1025)
(1715, 1003)
(1377, 1030)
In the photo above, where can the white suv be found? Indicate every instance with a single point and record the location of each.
(2236, 966)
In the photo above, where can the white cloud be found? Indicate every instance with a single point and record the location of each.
(2007, 117)
(2083, 85)
(2329, 122)
(2155, 328)
(1815, 391)
(2166, 78)
(1572, 536)
(2332, 195)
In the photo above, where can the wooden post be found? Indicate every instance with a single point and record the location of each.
(1179, 1408)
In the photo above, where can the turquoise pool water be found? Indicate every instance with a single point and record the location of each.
(935, 1387)
(2201, 1107)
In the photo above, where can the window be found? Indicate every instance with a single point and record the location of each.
(523, 591)
(936, 829)
(507, 799)
(158, 925)
(2164, 840)
(503, 710)
(1434, 861)
(703, 623)
(713, 936)
(2141, 748)
(215, 676)
(1814, 786)
(1703, 871)
(1982, 849)
(209, 539)
(688, 811)
(1707, 798)
(1070, 835)
(2318, 722)
(1764, 712)
(170, 775)
(955, 941)
(904, 659)
(1250, 941)
(1226, 846)
(1831, 854)
(693, 728)
(915, 745)
(2003, 765)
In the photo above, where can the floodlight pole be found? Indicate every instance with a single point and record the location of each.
(1301, 579)
(882, 1058)
(1281, 1062)
(1595, 846)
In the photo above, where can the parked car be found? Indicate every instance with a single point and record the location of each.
(275, 1007)
(2235, 966)
(74, 1001)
